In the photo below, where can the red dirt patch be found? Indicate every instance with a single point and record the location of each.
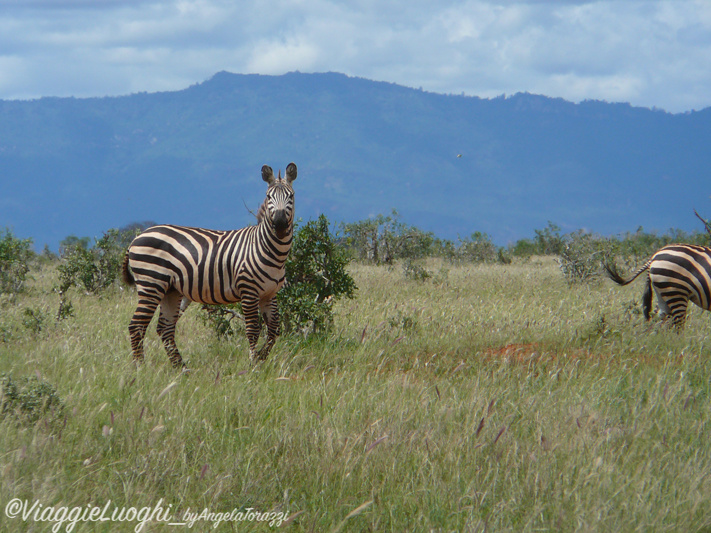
(526, 353)
(518, 353)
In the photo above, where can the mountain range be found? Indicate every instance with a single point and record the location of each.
(450, 164)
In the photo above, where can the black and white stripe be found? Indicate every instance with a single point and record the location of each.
(172, 266)
(678, 273)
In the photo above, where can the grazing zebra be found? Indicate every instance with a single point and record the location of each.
(172, 266)
(677, 273)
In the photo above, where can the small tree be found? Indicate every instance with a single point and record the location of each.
(476, 249)
(384, 239)
(582, 257)
(93, 269)
(15, 255)
(316, 277)
(549, 241)
(70, 243)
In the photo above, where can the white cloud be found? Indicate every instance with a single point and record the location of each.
(648, 52)
(277, 57)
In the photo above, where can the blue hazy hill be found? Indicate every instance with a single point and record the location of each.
(450, 164)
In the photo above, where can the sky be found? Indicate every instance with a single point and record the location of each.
(649, 53)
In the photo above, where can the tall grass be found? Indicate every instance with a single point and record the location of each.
(490, 398)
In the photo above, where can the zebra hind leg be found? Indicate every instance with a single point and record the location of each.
(678, 313)
(139, 324)
(673, 304)
(171, 307)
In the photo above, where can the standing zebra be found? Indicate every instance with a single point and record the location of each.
(172, 266)
(677, 273)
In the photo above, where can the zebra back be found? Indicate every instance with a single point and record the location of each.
(217, 267)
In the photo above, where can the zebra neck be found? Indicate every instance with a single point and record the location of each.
(268, 238)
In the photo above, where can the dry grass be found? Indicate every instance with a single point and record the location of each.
(488, 398)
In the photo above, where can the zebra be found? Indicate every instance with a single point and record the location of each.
(677, 273)
(172, 266)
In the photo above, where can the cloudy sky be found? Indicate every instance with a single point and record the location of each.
(647, 52)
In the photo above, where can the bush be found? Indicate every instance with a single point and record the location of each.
(71, 243)
(582, 256)
(27, 399)
(384, 239)
(475, 249)
(524, 248)
(548, 240)
(316, 277)
(415, 271)
(34, 319)
(92, 269)
(15, 255)
(220, 318)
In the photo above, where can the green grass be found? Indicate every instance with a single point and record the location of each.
(490, 398)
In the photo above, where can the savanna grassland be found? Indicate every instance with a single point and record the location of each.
(486, 398)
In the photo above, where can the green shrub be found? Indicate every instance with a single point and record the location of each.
(92, 269)
(548, 240)
(34, 319)
(72, 242)
(221, 319)
(403, 322)
(27, 399)
(384, 239)
(316, 277)
(524, 248)
(477, 248)
(415, 271)
(15, 255)
(582, 256)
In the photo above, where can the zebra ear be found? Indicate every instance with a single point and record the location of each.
(290, 172)
(268, 174)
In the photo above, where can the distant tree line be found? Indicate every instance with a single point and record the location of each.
(386, 239)
(317, 267)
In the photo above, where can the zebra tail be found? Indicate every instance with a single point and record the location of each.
(615, 275)
(126, 274)
(647, 299)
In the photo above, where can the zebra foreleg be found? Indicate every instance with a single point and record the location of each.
(250, 310)
(271, 317)
(170, 310)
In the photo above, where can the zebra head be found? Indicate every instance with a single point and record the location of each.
(278, 207)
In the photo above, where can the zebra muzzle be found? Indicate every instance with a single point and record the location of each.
(281, 225)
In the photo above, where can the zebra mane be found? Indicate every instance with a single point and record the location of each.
(262, 210)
